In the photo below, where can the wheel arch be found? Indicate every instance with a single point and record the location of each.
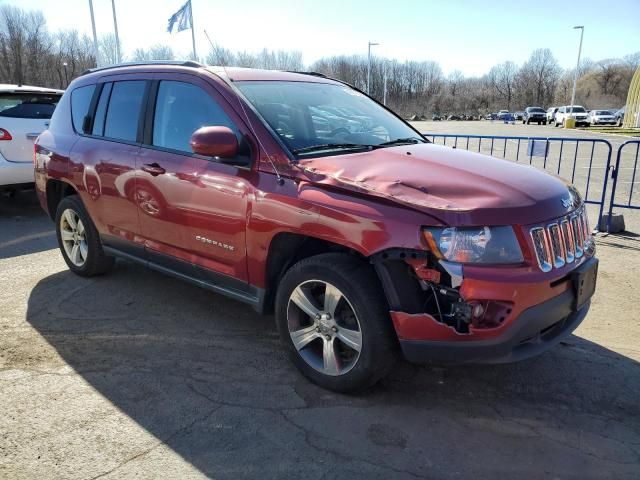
(288, 248)
(56, 190)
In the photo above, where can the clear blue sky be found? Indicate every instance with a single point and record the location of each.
(468, 35)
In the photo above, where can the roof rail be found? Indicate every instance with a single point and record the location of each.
(181, 63)
(314, 74)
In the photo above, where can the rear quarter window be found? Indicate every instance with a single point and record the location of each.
(80, 102)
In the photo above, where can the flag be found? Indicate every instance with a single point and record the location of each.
(182, 17)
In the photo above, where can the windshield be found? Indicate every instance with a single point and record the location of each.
(315, 118)
(28, 105)
(603, 112)
(576, 110)
(536, 109)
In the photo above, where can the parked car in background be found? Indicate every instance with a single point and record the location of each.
(24, 113)
(535, 115)
(502, 113)
(508, 117)
(576, 112)
(440, 254)
(518, 115)
(551, 115)
(454, 117)
(619, 116)
(601, 117)
(436, 118)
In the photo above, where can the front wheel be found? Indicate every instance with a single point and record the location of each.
(334, 322)
(79, 240)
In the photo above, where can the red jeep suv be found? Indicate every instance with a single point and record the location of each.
(300, 195)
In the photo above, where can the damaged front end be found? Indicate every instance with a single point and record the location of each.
(427, 290)
(426, 297)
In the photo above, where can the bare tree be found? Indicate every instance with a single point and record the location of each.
(503, 80)
(538, 77)
(107, 45)
(156, 52)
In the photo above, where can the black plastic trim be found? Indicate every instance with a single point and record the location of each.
(205, 278)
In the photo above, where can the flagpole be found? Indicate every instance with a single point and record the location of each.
(193, 32)
(95, 37)
(115, 27)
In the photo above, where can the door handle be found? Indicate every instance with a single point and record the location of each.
(153, 168)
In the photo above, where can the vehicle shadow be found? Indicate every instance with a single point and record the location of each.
(24, 227)
(207, 377)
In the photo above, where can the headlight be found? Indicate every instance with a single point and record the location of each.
(475, 244)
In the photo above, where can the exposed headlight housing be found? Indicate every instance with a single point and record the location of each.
(485, 245)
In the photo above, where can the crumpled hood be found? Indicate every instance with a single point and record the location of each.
(456, 186)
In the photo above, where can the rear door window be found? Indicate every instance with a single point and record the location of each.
(181, 109)
(123, 112)
(28, 105)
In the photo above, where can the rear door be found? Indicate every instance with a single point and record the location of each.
(24, 115)
(106, 156)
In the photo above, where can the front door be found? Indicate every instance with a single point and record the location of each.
(192, 209)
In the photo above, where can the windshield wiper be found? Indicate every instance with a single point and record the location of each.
(333, 146)
(401, 141)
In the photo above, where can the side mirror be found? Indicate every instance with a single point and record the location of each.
(214, 142)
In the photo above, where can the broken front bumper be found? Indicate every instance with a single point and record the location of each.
(537, 329)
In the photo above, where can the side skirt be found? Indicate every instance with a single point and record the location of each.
(224, 285)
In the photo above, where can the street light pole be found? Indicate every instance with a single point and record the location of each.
(371, 44)
(66, 77)
(384, 95)
(575, 76)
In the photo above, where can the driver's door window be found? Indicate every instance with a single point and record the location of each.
(181, 109)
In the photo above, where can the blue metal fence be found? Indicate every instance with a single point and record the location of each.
(584, 161)
(620, 180)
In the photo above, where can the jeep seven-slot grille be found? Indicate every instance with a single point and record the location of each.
(562, 241)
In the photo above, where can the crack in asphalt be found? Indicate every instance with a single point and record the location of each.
(161, 442)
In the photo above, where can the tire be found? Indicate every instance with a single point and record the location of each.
(523, 121)
(81, 248)
(544, 122)
(361, 310)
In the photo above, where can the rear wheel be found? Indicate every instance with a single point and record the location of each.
(334, 322)
(79, 240)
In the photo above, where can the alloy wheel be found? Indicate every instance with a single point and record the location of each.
(73, 236)
(324, 327)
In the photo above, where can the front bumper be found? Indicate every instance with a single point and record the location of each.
(536, 330)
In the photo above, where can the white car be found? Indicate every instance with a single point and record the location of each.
(602, 117)
(24, 113)
(576, 112)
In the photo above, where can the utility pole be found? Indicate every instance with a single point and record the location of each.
(95, 37)
(371, 44)
(575, 76)
(115, 28)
